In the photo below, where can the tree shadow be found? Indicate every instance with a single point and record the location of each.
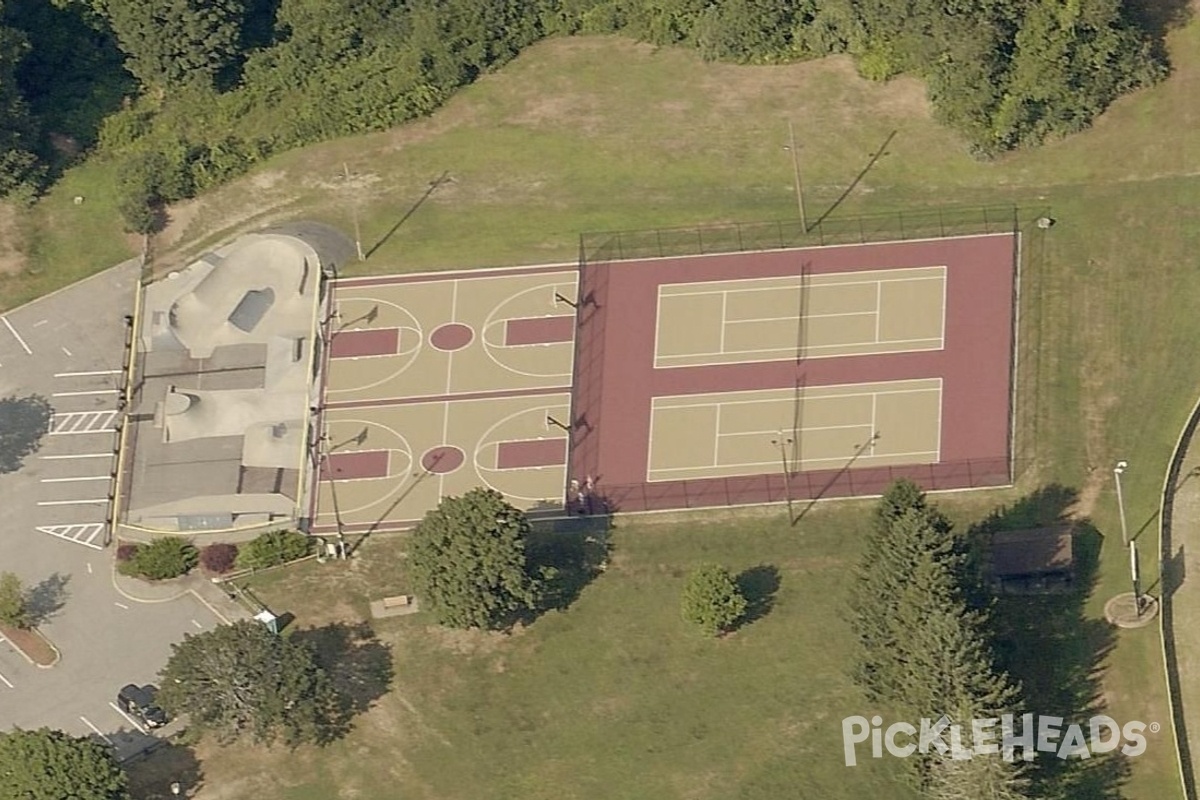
(152, 772)
(1157, 18)
(759, 586)
(47, 598)
(566, 562)
(1055, 650)
(72, 76)
(23, 423)
(359, 665)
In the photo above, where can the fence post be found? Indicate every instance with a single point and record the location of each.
(700, 239)
(738, 228)
(941, 222)
(987, 224)
(900, 217)
(862, 234)
(779, 232)
(821, 233)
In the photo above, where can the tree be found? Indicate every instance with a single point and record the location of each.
(241, 679)
(23, 423)
(711, 600)
(469, 561)
(13, 608)
(50, 765)
(171, 43)
(20, 169)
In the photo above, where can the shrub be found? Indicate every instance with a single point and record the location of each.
(126, 558)
(271, 549)
(711, 600)
(165, 558)
(219, 558)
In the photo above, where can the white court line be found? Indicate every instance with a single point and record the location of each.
(874, 428)
(831, 396)
(88, 722)
(75, 480)
(132, 721)
(794, 317)
(717, 438)
(6, 682)
(82, 455)
(86, 374)
(807, 347)
(774, 463)
(81, 394)
(724, 318)
(450, 354)
(120, 605)
(878, 307)
(789, 285)
(71, 502)
(66, 351)
(801, 431)
(17, 336)
(198, 625)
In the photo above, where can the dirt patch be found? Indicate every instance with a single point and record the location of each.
(33, 645)
(12, 241)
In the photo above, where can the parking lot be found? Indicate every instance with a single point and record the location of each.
(68, 348)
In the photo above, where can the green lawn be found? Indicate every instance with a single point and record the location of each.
(612, 698)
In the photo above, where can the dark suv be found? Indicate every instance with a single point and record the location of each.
(139, 702)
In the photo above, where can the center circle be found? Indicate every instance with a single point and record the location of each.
(451, 336)
(440, 460)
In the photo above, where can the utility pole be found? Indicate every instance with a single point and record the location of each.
(783, 443)
(796, 174)
(354, 211)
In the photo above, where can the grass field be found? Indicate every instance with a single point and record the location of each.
(611, 698)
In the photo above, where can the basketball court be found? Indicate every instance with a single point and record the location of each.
(655, 383)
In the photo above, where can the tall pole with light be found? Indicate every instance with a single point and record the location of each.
(783, 443)
(791, 146)
(1118, 471)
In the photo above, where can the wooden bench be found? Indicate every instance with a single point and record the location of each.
(397, 601)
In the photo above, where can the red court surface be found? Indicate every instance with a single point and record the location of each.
(616, 381)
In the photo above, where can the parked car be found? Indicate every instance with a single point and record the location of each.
(138, 701)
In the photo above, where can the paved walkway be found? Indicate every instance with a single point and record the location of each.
(1182, 562)
(207, 592)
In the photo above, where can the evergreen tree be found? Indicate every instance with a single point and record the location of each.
(711, 600)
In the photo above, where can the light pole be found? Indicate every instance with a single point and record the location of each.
(1137, 578)
(1118, 471)
(783, 443)
(796, 173)
(354, 211)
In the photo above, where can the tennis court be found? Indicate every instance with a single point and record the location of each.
(813, 316)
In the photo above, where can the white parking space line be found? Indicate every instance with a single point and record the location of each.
(132, 721)
(6, 682)
(198, 625)
(82, 394)
(74, 480)
(72, 502)
(88, 722)
(120, 605)
(79, 455)
(17, 336)
(87, 374)
(66, 351)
